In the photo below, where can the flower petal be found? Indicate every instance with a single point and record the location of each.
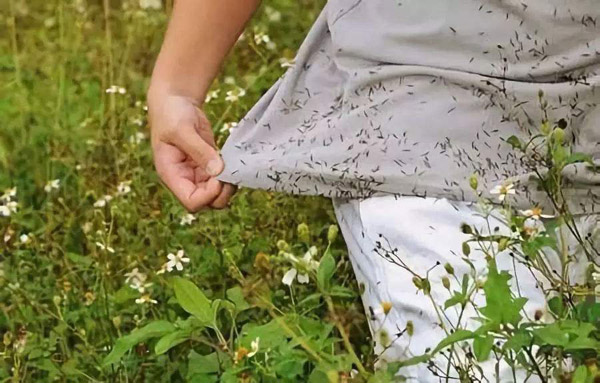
(288, 278)
(303, 278)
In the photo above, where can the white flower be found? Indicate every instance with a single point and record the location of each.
(272, 14)
(124, 187)
(137, 280)
(137, 121)
(104, 247)
(228, 127)
(383, 309)
(137, 138)
(502, 190)
(24, 238)
(234, 95)
(116, 89)
(533, 227)
(289, 276)
(305, 265)
(253, 347)
(145, 299)
(285, 63)
(9, 194)
(176, 261)
(7, 209)
(150, 4)
(535, 213)
(260, 38)
(211, 95)
(135, 275)
(52, 185)
(187, 219)
(229, 80)
(103, 201)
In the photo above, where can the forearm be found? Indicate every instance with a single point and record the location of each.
(199, 36)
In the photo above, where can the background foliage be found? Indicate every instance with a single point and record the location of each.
(90, 226)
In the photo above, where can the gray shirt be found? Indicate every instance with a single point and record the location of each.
(412, 97)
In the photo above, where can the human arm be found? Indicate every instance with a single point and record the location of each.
(199, 36)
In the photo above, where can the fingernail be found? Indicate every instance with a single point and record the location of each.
(213, 167)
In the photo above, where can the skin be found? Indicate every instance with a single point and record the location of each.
(199, 36)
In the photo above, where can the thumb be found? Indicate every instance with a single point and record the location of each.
(204, 154)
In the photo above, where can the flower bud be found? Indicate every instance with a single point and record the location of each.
(466, 249)
(386, 307)
(473, 181)
(465, 228)
(417, 282)
(449, 268)
(545, 128)
(332, 233)
(283, 245)
(446, 282)
(410, 328)
(303, 232)
(558, 135)
(503, 243)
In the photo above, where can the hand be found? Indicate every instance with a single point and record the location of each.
(185, 153)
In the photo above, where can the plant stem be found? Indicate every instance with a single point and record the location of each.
(347, 344)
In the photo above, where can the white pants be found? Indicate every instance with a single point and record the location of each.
(423, 234)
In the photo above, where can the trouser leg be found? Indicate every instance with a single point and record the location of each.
(390, 241)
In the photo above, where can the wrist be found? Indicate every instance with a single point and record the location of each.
(158, 89)
(178, 82)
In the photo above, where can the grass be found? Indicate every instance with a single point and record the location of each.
(66, 249)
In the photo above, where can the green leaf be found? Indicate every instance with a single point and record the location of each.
(203, 364)
(518, 341)
(236, 295)
(568, 334)
(123, 344)
(482, 346)
(125, 294)
(342, 292)
(79, 259)
(580, 375)
(457, 298)
(455, 337)
(203, 378)
(514, 142)
(171, 340)
(500, 307)
(271, 334)
(579, 157)
(193, 300)
(556, 306)
(325, 271)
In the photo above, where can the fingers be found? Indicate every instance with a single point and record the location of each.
(179, 176)
(223, 198)
(188, 139)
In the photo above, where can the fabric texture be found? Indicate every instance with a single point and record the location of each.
(412, 97)
(390, 239)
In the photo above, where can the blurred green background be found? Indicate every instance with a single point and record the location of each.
(81, 207)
